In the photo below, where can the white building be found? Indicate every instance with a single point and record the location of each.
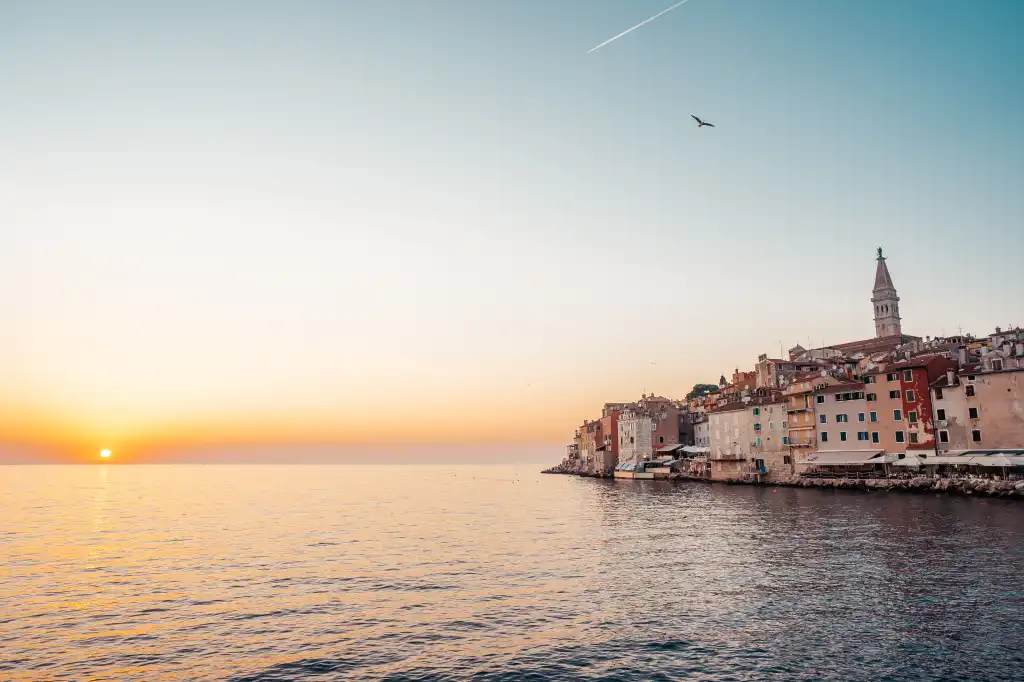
(702, 433)
(635, 437)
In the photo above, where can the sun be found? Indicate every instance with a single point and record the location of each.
(105, 454)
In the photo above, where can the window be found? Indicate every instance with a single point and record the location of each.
(869, 380)
(941, 414)
(892, 376)
(874, 416)
(872, 397)
(912, 417)
(757, 411)
(970, 377)
(842, 435)
(938, 394)
(897, 415)
(910, 396)
(976, 435)
(997, 365)
(823, 419)
(895, 395)
(874, 436)
(969, 390)
(913, 436)
(943, 436)
(771, 426)
(786, 459)
(862, 435)
(785, 425)
(908, 375)
(841, 418)
(839, 397)
(821, 399)
(972, 412)
(860, 416)
(757, 428)
(785, 441)
(757, 442)
(824, 436)
(900, 437)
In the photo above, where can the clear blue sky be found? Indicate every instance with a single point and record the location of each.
(217, 213)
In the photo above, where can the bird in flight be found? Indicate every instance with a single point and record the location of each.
(701, 124)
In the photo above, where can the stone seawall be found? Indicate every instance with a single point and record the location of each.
(1009, 489)
(979, 487)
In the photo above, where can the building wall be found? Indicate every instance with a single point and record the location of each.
(727, 470)
(610, 433)
(951, 417)
(999, 400)
(920, 407)
(830, 408)
(884, 408)
(587, 445)
(635, 438)
(730, 432)
(664, 419)
(774, 423)
(773, 450)
(702, 434)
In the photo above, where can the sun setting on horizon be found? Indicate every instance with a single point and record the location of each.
(105, 454)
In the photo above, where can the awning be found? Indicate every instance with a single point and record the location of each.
(997, 461)
(986, 453)
(945, 459)
(846, 457)
(694, 450)
(982, 458)
(671, 448)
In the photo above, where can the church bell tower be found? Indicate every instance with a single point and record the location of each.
(885, 300)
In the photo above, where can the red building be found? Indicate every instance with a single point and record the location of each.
(915, 377)
(610, 431)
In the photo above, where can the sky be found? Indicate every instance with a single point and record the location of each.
(440, 222)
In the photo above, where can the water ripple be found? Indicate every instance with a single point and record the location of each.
(454, 573)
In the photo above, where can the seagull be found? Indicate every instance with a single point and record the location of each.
(700, 123)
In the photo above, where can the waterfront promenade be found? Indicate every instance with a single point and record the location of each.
(1012, 488)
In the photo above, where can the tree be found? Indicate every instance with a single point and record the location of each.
(701, 389)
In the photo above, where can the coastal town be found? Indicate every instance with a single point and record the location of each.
(891, 411)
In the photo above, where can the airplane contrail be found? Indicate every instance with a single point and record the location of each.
(645, 21)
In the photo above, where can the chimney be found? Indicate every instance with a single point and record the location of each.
(999, 330)
(949, 377)
(962, 355)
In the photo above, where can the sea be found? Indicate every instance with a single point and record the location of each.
(260, 573)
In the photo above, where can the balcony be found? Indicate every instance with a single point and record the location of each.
(726, 457)
(802, 440)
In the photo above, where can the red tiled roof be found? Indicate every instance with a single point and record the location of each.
(728, 407)
(873, 345)
(839, 388)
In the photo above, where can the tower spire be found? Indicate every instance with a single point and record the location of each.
(885, 300)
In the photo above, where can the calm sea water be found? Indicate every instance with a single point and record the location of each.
(494, 573)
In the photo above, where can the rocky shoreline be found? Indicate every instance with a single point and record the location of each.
(921, 484)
